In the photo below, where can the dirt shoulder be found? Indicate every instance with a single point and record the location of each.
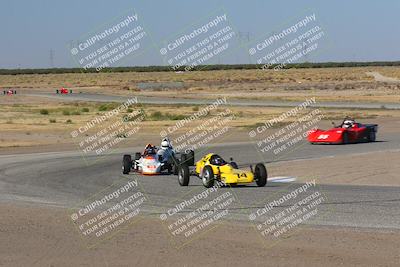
(380, 78)
(44, 236)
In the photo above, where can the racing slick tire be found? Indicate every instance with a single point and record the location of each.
(183, 175)
(345, 138)
(183, 158)
(371, 136)
(234, 165)
(127, 164)
(188, 158)
(207, 176)
(260, 175)
(138, 155)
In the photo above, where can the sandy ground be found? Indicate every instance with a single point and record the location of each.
(380, 78)
(50, 240)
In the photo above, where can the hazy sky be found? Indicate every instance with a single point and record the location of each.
(355, 30)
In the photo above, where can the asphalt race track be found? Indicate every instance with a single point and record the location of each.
(66, 179)
(235, 102)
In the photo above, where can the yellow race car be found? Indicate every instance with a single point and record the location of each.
(213, 168)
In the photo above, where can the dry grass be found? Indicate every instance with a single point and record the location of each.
(331, 84)
(131, 78)
(24, 125)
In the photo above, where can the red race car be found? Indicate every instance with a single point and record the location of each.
(63, 91)
(10, 92)
(349, 131)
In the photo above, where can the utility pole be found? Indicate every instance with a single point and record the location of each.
(244, 36)
(305, 52)
(51, 58)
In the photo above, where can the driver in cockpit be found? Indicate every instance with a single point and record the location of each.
(217, 160)
(149, 150)
(347, 124)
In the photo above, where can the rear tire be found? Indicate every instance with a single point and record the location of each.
(127, 164)
(207, 176)
(371, 136)
(188, 158)
(260, 175)
(345, 138)
(183, 158)
(183, 175)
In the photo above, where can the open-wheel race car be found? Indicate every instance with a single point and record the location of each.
(63, 91)
(349, 131)
(153, 160)
(212, 168)
(9, 92)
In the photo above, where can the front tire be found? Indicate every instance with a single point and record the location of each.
(183, 175)
(126, 164)
(207, 177)
(260, 175)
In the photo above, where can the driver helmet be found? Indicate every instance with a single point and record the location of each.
(348, 123)
(165, 143)
(149, 149)
(216, 160)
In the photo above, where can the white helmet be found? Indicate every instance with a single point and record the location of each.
(348, 123)
(165, 143)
